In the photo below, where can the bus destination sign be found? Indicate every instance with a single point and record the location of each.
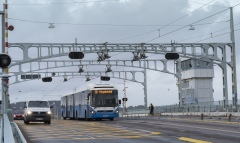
(103, 91)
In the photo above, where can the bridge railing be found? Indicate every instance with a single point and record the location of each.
(7, 130)
(216, 106)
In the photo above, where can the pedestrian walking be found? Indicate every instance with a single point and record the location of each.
(151, 108)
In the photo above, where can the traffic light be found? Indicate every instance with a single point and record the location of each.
(5, 60)
(172, 56)
(124, 99)
(76, 55)
(105, 78)
(47, 79)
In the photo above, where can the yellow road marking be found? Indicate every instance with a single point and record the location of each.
(192, 140)
(155, 133)
(205, 121)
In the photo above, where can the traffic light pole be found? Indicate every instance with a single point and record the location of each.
(5, 95)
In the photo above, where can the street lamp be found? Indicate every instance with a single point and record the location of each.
(191, 27)
(51, 26)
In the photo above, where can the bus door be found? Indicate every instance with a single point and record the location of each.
(66, 107)
(71, 106)
(88, 104)
(63, 106)
(79, 110)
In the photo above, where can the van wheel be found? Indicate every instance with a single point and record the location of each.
(26, 122)
(49, 122)
(64, 118)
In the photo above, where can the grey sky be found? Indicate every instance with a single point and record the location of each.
(123, 12)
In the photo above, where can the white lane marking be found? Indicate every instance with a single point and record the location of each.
(73, 130)
(90, 137)
(198, 127)
(142, 130)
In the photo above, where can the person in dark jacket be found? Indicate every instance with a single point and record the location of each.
(151, 108)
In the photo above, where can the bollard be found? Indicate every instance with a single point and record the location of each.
(209, 114)
(229, 117)
(159, 114)
(202, 116)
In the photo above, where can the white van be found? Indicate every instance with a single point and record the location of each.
(37, 111)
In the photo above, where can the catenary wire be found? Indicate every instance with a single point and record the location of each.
(116, 25)
(208, 5)
(215, 36)
(187, 26)
(163, 26)
(86, 2)
(205, 34)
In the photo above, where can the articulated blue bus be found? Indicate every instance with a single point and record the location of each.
(98, 101)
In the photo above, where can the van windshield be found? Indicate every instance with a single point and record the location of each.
(40, 104)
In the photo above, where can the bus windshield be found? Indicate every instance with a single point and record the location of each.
(105, 99)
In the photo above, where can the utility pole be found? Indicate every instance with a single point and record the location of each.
(233, 58)
(125, 96)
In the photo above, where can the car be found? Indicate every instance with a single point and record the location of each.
(37, 111)
(18, 115)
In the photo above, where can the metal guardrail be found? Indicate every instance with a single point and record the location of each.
(17, 134)
(8, 133)
(1, 133)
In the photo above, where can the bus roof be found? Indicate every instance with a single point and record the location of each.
(93, 87)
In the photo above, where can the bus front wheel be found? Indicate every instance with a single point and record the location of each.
(111, 119)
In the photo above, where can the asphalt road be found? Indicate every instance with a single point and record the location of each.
(131, 130)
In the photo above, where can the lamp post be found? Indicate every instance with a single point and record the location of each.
(125, 97)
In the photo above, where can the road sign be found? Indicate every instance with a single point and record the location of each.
(172, 56)
(105, 78)
(31, 76)
(47, 79)
(76, 55)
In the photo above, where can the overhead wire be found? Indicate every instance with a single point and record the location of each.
(116, 25)
(205, 34)
(187, 26)
(164, 26)
(74, 2)
(208, 5)
(216, 36)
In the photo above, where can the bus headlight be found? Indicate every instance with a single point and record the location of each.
(49, 112)
(92, 111)
(29, 112)
(116, 112)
